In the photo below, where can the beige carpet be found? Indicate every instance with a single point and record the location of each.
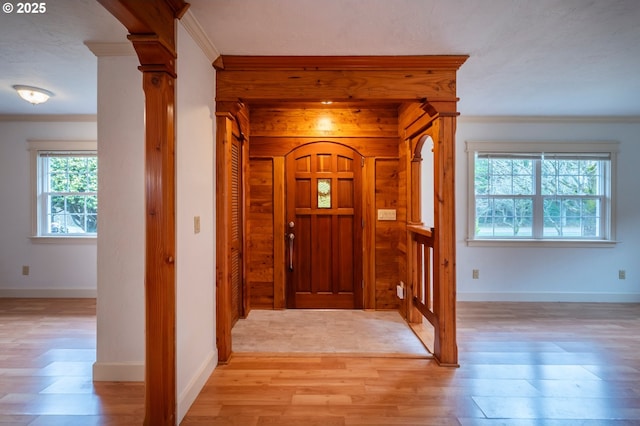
(326, 332)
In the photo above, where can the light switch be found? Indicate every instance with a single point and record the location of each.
(386, 214)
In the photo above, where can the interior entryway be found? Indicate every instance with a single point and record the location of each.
(338, 226)
(324, 227)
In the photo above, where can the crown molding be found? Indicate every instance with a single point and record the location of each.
(595, 119)
(341, 63)
(195, 30)
(110, 49)
(69, 118)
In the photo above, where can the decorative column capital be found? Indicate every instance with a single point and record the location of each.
(154, 55)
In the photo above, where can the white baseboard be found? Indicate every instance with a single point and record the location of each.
(118, 372)
(48, 293)
(195, 385)
(548, 297)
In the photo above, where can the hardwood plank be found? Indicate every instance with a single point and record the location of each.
(522, 353)
(522, 364)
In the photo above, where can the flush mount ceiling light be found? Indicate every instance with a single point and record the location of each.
(33, 95)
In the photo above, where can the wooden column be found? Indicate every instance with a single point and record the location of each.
(152, 27)
(160, 268)
(444, 267)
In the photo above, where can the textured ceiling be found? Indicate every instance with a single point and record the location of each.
(543, 57)
(46, 50)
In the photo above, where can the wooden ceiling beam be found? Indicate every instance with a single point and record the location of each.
(388, 79)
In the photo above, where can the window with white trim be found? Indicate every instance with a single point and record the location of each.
(66, 188)
(541, 191)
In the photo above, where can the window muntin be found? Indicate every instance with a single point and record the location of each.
(69, 195)
(66, 188)
(540, 195)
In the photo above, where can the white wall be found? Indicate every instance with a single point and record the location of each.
(553, 274)
(121, 224)
(120, 354)
(120, 346)
(195, 259)
(55, 270)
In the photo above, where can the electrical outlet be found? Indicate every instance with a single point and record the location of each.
(622, 274)
(475, 274)
(400, 290)
(25, 270)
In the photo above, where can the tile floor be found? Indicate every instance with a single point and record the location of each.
(326, 331)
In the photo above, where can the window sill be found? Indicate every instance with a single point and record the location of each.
(541, 243)
(64, 240)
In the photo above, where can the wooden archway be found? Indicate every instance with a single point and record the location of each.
(425, 89)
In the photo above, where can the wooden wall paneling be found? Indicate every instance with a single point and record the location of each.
(322, 122)
(277, 130)
(224, 136)
(403, 196)
(369, 232)
(387, 235)
(260, 233)
(279, 230)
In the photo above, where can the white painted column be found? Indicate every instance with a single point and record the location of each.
(121, 225)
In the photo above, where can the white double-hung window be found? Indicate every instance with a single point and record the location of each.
(541, 191)
(65, 190)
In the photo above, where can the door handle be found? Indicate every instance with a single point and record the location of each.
(291, 237)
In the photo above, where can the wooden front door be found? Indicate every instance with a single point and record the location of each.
(324, 227)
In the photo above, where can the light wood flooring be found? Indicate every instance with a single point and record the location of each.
(522, 364)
